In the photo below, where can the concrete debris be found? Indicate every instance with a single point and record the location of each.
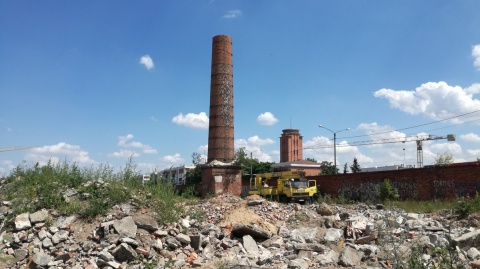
(126, 227)
(306, 236)
(252, 230)
(22, 222)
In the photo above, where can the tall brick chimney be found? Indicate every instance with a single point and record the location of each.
(220, 175)
(220, 132)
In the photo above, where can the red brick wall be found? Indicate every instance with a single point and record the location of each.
(217, 180)
(438, 182)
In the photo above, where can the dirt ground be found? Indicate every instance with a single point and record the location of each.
(244, 215)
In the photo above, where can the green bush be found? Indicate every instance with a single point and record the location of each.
(463, 209)
(386, 192)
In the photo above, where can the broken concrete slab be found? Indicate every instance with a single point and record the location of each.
(254, 231)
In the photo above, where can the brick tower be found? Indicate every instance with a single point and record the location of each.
(291, 145)
(220, 175)
(220, 131)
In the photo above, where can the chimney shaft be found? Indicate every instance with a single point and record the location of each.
(221, 127)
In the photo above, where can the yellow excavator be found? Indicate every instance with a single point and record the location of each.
(285, 186)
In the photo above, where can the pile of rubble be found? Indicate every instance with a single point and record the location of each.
(306, 236)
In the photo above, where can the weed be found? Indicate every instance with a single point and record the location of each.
(298, 216)
(342, 200)
(198, 215)
(386, 191)
(327, 198)
(95, 190)
(463, 208)
(476, 201)
(190, 192)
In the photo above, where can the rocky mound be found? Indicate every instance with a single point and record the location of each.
(234, 233)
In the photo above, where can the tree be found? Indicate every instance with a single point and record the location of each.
(197, 158)
(345, 168)
(194, 176)
(355, 167)
(310, 159)
(327, 168)
(250, 164)
(386, 191)
(444, 159)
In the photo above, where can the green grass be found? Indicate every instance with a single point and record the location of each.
(97, 190)
(425, 206)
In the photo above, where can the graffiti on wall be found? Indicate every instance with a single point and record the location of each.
(443, 189)
(437, 182)
(368, 190)
(466, 189)
(406, 190)
(448, 189)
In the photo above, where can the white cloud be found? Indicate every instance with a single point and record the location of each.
(437, 100)
(197, 121)
(255, 140)
(232, 14)
(203, 148)
(124, 154)
(147, 61)
(267, 118)
(376, 131)
(146, 167)
(476, 56)
(252, 146)
(381, 154)
(55, 153)
(6, 166)
(432, 150)
(321, 149)
(471, 137)
(474, 89)
(168, 161)
(442, 148)
(318, 142)
(123, 141)
(475, 153)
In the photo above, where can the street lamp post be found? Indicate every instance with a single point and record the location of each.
(251, 162)
(334, 144)
(251, 168)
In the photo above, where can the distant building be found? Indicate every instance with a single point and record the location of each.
(310, 168)
(291, 154)
(386, 168)
(291, 146)
(178, 175)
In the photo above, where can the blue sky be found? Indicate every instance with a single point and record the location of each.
(99, 81)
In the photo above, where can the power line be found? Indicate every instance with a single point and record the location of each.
(416, 126)
(452, 125)
(322, 145)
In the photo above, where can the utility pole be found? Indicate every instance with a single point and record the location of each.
(334, 145)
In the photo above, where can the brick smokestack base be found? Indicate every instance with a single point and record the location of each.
(218, 180)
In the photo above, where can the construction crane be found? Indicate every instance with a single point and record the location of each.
(449, 137)
(17, 148)
(419, 139)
